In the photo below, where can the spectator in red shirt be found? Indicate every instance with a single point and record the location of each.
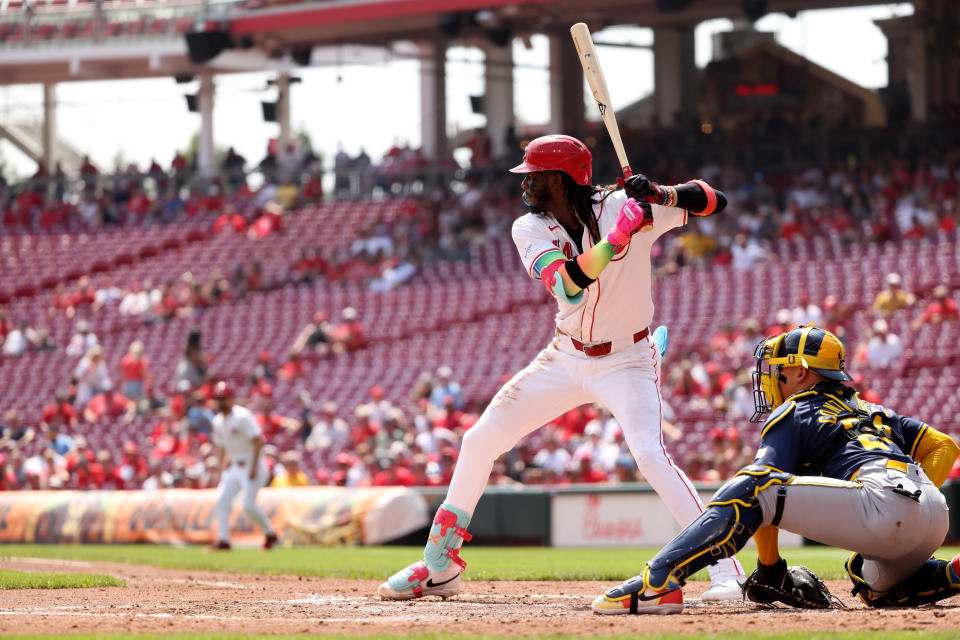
(138, 203)
(273, 424)
(133, 465)
(586, 473)
(349, 335)
(364, 427)
(110, 405)
(448, 416)
(313, 189)
(109, 477)
(722, 341)
(179, 168)
(942, 309)
(6, 325)
(230, 219)
(392, 474)
(782, 323)
(61, 413)
(80, 451)
(293, 368)
(574, 421)
(87, 474)
(12, 474)
(164, 437)
(271, 221)
(134, 372)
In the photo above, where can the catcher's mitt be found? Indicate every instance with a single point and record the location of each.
(794, 586)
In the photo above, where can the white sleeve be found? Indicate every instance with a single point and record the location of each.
(667, 218)
(216, 428)
(532, 240)
(250, 426)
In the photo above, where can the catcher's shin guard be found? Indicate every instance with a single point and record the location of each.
(932, 582)
(728, 522)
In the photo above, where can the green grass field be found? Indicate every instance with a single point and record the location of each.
(486, 563)
(30, 580)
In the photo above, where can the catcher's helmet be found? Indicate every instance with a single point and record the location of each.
(222, 390)
(558, 153)
(811, 347)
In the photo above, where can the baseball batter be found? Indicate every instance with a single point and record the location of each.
(581, 242)
(830, 467)
(237, 434)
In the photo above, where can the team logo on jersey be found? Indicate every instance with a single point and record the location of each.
(567, 249)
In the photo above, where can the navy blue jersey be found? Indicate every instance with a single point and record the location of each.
(828, 430)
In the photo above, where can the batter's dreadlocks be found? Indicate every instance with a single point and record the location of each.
(582, 197)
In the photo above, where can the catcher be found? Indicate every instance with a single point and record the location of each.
(830, 467)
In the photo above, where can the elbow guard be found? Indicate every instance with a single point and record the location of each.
(553, 281)
(700, 199)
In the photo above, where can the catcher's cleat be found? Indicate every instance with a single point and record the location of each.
(219, 545)
(269, 541)
(632, 597)
(723, 590)
(415, 582)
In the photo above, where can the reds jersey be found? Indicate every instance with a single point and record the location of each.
(620, 302)
(234, 433)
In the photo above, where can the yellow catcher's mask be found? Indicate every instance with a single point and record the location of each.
(810, 347)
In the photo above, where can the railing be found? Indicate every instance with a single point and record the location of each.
(39, 25)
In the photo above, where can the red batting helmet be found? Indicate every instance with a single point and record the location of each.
(558, 153)
(222, 390)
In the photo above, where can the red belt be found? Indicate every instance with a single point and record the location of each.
(603, 349)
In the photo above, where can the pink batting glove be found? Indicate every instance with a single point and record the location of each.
(634, 216)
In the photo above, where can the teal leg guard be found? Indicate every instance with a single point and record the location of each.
(443, 547)
(933, 581)
(443, 543)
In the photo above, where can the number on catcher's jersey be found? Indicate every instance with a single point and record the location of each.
(871, 441)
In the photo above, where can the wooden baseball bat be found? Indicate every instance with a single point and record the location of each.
(598, 85)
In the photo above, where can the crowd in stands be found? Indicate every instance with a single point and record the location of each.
(415, 440)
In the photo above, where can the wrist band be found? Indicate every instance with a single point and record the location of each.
(669, 196)
(577, 275)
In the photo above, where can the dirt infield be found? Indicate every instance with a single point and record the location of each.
(167, 600)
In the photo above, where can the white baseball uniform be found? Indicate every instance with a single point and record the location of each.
(616, 309)
(235, 434)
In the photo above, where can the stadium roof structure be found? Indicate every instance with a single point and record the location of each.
(383, 21)
(49, 41)
(52, 41)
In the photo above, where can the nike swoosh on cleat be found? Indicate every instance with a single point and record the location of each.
(431, 584)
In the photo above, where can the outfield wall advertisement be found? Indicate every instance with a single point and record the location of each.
(625, 519)
(303, 515)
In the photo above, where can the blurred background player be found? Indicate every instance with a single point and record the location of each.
(236, 432)
(877, 495)
(577, 239)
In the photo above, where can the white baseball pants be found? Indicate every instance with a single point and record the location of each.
(234, 480)
(626, 382)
